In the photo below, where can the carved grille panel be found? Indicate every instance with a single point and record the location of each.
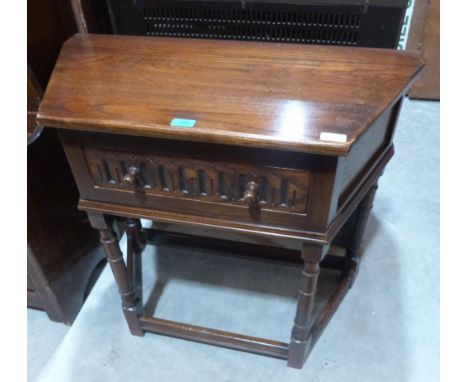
(279, 188)
(263, 22)
(375, 23)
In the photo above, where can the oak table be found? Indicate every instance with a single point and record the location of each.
(268, 144)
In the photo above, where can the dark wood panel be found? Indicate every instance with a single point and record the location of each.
(59, 256)
(370, 146)
(41, 296)
(50, 23)
(61, 243)
(240, 93)
(425, 36)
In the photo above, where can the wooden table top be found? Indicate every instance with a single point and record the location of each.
(270, 95)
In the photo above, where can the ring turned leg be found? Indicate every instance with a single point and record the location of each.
(135, 246)
(301, 335)
(354, 247)
(130, 304)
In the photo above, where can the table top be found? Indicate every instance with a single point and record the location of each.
(307, 98)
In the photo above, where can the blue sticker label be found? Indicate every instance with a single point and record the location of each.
(181, 122)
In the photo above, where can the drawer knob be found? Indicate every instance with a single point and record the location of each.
(250, 194)
(131, 177)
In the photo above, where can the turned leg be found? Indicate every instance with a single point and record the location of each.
(301, 335)
(134, 233)
(135, 246)
(130, 304)
(354, 247)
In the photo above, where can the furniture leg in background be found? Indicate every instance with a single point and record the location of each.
(354, 246)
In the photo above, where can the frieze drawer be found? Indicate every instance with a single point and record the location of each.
(264, 187)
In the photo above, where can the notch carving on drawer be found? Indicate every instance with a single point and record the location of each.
(211, 181)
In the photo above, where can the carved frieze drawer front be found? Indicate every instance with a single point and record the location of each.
(219, 182)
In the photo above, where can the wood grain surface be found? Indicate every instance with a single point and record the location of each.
(425, 37)
(240, 93)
